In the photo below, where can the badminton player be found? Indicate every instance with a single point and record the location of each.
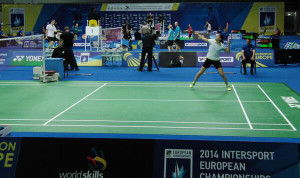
(213, 57)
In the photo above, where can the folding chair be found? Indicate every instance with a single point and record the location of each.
(93, 23)
(241, 66)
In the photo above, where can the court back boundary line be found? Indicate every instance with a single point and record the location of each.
(149, 126)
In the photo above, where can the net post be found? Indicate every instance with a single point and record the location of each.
(44, 56)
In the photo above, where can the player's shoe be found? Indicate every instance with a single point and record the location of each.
(192, 84)
(228, 87)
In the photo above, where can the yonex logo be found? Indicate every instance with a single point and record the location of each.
(18, 58)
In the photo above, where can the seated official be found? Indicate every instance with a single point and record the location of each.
(248, 56)
(61, 52)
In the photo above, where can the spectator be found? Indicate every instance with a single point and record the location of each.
(137, 35)
(207, 26)
(190, 31)
(150, 19)
(145, 29)
(94, 15)
(278, 32)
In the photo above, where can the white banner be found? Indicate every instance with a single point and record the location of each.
(140, 7)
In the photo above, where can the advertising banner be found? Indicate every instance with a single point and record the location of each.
(140, 7)
(17, 19)
(85, 158)
(21, 58)
(263, 57)
(204, 159)
(88, 58)
(133, 59)
(267, 18)
(195, 44)
(189, 60)
(164, 44)
(112, 34)
(227, 59)
(9, 152)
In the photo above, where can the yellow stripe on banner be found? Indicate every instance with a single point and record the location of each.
(104, 7)
(258, 64)
(175, 6)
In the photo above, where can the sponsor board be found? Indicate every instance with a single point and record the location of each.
(9, 152)
(165, 58)
(33, 58)
(178, 163)
(85, 158)
(133, 59)
(227, 59)
(215, 159)
(17, 19)
(140, 7)
(267, 18)
(88, 58)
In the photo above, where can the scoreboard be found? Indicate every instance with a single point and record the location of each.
(267, 43)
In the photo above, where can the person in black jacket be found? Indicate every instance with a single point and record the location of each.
(60, 52)
(94, 15)
(148, 44)
(68, 37)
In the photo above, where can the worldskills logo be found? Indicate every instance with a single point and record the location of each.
(96, 160)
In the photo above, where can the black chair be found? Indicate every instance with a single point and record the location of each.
(241, 66)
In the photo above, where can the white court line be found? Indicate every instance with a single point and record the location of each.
(170, 122)
(165, 100)
(157, 127)
(24, 119)
(286, 119)
(158, 100)
(132, 121)
(137, 83)
(74, 104)
(242, 107)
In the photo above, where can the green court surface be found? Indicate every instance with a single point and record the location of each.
(168, 108)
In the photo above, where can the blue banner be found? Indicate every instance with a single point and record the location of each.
(203, 159)
(9, 152)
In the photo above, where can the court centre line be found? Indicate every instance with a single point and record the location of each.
(74, 104)
(157, 127)
(281, 113)
(165, 100)
(241, 104)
